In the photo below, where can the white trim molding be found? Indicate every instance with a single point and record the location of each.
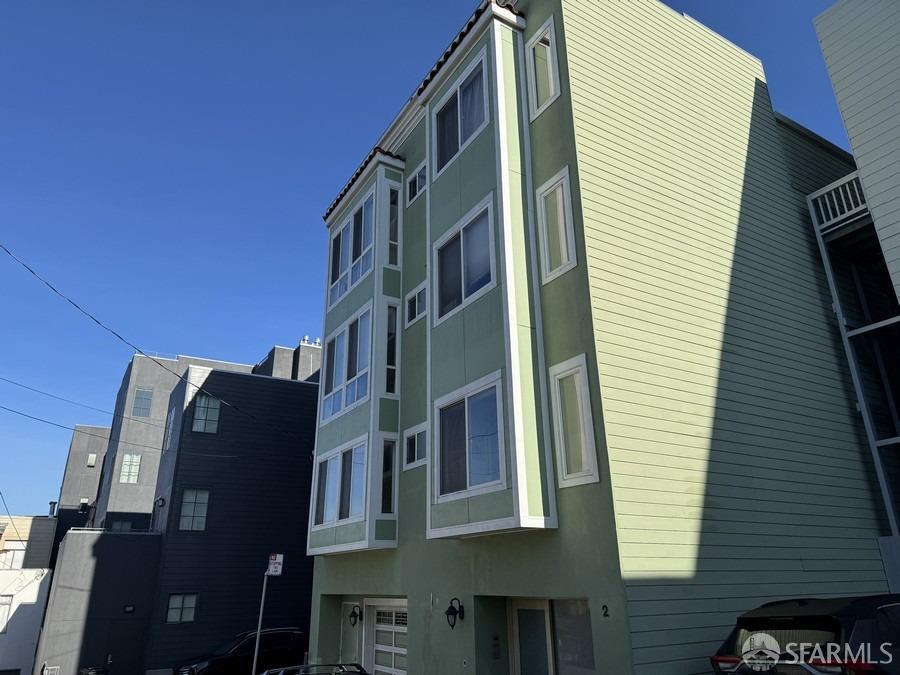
(566, 231)
(577, 367)
(414, 432)
(548, 30)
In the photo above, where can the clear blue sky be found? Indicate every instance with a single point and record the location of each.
(167, 164)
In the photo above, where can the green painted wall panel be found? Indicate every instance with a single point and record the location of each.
(385, 529)
(390, 285)
(388, 414)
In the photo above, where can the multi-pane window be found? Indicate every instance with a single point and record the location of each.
(143, 400)
(557, 231)
(460, 116)
(5, 607)
(206, 414)
(393, 227)
(389, 450)
(576, 456)
(469, 441)
(464, 263)
(347, 366)
(340, 485)
(194, 504)
(12, 556)
(417, 183)
(416, 304)
(416, 447)
(390, 382)
(91, 460)
(351, 251)
(131, 468)
(121, 526)
(181, 608)
(543, 71)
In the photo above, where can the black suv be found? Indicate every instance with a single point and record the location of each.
(278, 647)
(828, 636)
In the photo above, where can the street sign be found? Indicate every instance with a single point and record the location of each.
(276, 562)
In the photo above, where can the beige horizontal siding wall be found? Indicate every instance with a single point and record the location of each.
(736, 457)
(861, 44)
(38, 531)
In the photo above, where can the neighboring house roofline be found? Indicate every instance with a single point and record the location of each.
(814, 137)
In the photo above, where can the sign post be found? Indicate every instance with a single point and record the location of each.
(276, 562)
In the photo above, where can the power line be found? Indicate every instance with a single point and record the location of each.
(11, 521)
(74, 429)
(82, 405)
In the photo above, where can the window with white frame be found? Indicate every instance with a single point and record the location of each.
(469, 452)
(91, 460)
(415, 444)
(388, 460)
(5, 607)
(417, 183)
(351, 251)
(12, 556)
(543, 69)
(393, 227)
(347, 366)
(340, 486)
(460, 115)
(391, 356)
(555, 226)
(206, 414)
(465, 262)
(131, 468)
(416, 304)
(143, 401)
(194, 504)
(182, 607)
(573, 426)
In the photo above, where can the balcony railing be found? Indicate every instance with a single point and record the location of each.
(838, 203)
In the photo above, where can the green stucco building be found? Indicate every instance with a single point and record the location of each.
(582, 381)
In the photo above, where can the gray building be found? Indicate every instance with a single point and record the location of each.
(231, 481)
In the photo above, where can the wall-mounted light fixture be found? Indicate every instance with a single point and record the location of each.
(454, 611)
(355, 615)
(160, 502)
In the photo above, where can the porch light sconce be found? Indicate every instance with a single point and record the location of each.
(453, 611)
(355, 615)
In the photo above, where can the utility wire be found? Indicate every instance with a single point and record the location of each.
(83, 405)
(77, 431)
(11, 520)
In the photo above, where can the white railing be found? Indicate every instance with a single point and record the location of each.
(837, 203)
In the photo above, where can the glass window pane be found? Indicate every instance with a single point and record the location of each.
(421, 445)
(335, 258)
(143, 401)
(339, 356)
(331, 489)
(345, 247)
(411, 449)
(477, 254)
(410, 309)
(543, 77)
(346, 476)
(364, 346)
(368, 221)
(449, 276)
(453, 448)
(472, 106)
(572, 637)
(320, 493)
(556, 231)
(572, 429)
(329, 367)
(392, 335)
(387, 477)
(358, 483)
(357, 234)
(447, 121)
(420, 300)
(532, 627)
(352, 348)
(484, 441)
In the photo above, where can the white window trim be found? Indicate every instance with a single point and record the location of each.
(413, 293)
(560, 179)
(414, 431)
(413, 174)
(338, 226)
(575, 366)
(493, 380)
(395, 475)
(391, 185)
(324, 457)
(485, 204)
(481, 60)
(343, 327)
(131, 463)
(548, 28)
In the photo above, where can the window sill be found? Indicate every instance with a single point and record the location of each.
(344, 411)
(337, 523)
(416, 464)
(537, 113)
(558, 272)
(484, 290)
(578, 479)
(487, 488)
(462, 148)
(332, 305)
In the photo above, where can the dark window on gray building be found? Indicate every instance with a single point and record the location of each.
(143, 399)
(194, 504)
(206, 414)
(181, 608)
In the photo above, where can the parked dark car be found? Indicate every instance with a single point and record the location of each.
(278, 647)
(320, 669)
(829, 636)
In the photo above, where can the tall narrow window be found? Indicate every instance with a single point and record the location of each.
(390, 383)
(556, 229)
(194, 504)
(393, 227)
(351, 251)
(131, 468)
(464, 263)
(206, 414)
(416, 447)
(417, 183)
(543, 70)
(340, 486)
(469, 442)
(181, 608)
(143, 400)
(460, 116)
(576, 456)
(387, 476)
(346, 378)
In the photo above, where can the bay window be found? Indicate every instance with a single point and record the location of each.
(351, 251)
(346, 378)
(464, 262)
(460, 115)
(340, 485)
